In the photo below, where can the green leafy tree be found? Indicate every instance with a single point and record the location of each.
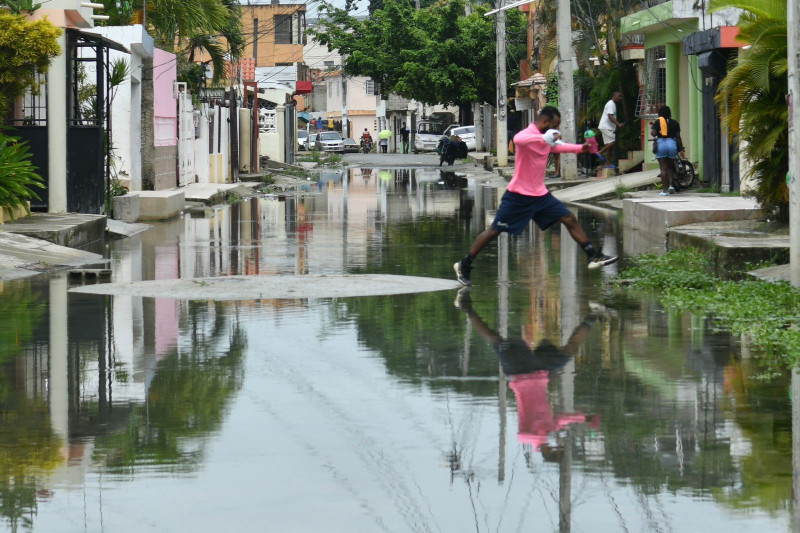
(752, 97)
(26, 49)
(434, 55)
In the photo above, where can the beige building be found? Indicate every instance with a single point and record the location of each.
(275, 33)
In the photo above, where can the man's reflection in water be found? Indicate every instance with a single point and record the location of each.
(529, 374)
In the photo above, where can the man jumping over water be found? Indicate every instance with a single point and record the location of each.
(527, 197)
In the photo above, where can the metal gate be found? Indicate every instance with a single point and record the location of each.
(30, 124)
(88, 128)
(186, 135)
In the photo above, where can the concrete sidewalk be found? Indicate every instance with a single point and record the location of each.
(210, 192)
(22, 256)
(596, 188)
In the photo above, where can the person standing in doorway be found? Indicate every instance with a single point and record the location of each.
(608, 126)
(405, 137)
(527, 197)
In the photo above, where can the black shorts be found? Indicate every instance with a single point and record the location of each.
(516, 357)
(517, 210)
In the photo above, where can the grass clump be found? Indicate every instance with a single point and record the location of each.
(622, 191)
(767, 312)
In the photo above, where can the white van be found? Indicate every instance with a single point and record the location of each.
(428, 134)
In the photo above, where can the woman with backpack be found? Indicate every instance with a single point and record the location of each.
(667, 144)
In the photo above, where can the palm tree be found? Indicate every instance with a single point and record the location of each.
(752, 97)
(186, 27)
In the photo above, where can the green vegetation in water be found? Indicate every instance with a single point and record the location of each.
(312, 157)
(622, 191)
(233, 198)
(764, 311)
(296, 172)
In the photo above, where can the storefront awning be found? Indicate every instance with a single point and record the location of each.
(303, 87)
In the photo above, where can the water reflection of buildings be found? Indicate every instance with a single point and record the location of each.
(82, 382)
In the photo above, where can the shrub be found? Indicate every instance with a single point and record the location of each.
(27, 48)
(17, 174)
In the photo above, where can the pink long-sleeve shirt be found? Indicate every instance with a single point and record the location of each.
(531, 152)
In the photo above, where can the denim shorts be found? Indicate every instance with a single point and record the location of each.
(667, 147)
(517, 210)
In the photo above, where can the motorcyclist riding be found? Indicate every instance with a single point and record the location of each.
(366, 140)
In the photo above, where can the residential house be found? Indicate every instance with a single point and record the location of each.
(64, 128)
(679, 71)
(352, 100)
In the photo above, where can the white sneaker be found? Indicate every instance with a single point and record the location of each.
(601, 260)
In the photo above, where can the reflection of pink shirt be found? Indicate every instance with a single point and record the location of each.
(536, 419)
(531, 152)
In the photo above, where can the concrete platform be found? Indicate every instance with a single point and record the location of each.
(118, 228)
(274, 287)
(160, 205)
(597, 188)
(22, 256)
(71, 230)
(208, 193)
(731, 244)
(774, 273)
(655, 214)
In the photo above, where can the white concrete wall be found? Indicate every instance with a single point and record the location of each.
(126, 108)
(688, 9)
(219, 158)
(315, 55)
(201, 155)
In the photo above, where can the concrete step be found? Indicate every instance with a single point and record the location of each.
(71, 229)
(654, 215)
(604, 187)
(773, 273)
(160, 205)
(733, 244)
(22, 256)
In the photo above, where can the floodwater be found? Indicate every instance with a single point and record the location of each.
(370, 414)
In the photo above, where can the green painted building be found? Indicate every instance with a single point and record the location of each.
(685, 77)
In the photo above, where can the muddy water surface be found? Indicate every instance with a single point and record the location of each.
(527, 406)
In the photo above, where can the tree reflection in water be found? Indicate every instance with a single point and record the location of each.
(29, 449)
(186, 400)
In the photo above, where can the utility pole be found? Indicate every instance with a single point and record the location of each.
(345, 129)
(793, 180)
(566, 93)
(477, 113)
(502, 92)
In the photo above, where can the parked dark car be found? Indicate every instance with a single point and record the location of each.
(350, 146)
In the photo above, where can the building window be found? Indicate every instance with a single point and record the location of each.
(369, 87)
(283, 29)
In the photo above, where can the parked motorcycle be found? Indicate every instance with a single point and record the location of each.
(449, 150)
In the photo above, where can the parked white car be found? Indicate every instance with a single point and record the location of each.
(302, 138)
(330, 141)
(311, 142)
(467, 134)
(428, 134)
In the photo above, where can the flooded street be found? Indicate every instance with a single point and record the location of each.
(544, 401)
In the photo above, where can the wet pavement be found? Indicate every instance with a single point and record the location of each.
(527, 405)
